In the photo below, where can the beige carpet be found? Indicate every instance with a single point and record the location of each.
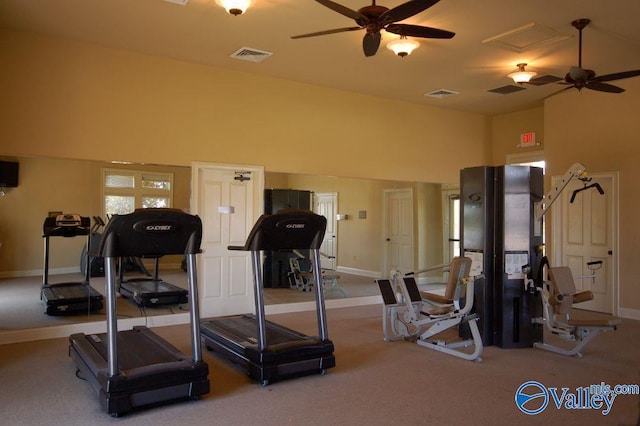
(374, 383)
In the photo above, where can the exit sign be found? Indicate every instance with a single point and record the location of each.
(528, 139)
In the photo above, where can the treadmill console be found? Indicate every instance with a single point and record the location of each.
(66, 225)
(68, 220)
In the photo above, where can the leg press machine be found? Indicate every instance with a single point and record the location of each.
(423, 317)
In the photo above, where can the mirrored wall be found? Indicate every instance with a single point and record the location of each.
(362, 227)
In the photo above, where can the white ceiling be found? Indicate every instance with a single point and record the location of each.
(202, 32)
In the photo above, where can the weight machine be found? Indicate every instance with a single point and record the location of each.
(559, 295)
(424, 317)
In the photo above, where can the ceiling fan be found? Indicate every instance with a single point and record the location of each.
(580, 78)
(375, 18)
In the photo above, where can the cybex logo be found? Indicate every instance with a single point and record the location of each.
(158, 228)
(295, 225)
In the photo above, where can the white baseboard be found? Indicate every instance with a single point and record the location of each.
(55, 332)
(284, 308)
(38, 272)
(72, 270)
(355, 271)
(629, 313)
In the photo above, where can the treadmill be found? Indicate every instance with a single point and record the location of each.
(269, 351)
(67, 298)
(135, 368)
(152, 291)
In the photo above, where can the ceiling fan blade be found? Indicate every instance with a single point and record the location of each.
(319, 33)
(405, 10)
(343, 10)
(544, 79)
(418, 31)
(604, 87)
(370, 43)
(618, 75)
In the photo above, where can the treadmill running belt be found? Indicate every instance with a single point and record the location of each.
(134, 350)
(71, 298)
(244, 327)
(150, 285)
(72, 290)
(149, 292)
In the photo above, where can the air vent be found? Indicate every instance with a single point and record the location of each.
(505, 90)
(441, 93)
(250, 54)
(180, 2)
(525, 38)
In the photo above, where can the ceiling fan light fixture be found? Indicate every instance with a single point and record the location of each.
(235, 7)
(522, 76)
(403, 46)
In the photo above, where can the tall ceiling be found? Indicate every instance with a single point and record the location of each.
(202, 32)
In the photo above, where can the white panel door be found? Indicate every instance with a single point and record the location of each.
(588, 234)
(228, 207)
(398, 225)
(327, 205)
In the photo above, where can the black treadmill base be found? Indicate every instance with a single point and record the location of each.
(149, 293)
(71, 299)
(152, 371)
(289, 354)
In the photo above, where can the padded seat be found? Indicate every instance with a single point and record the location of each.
(458, 275)
(559, 295)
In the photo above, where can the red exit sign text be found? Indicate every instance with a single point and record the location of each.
(528, 139)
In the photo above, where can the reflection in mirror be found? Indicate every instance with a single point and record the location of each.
(47, 186)
(374, 226)
(412, 215)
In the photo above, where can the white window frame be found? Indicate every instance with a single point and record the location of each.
(449, 192)
(137, 192)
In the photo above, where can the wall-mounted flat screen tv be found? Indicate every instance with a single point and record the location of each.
(8, 174)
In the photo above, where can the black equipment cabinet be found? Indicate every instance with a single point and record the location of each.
(267, 350)
(476, 237)
(518, 243)
(499, 227)
(67, 298)
(135, 368)
(276, 264)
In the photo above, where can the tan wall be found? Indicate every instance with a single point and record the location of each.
(601, 131)
(44, 186)
(429, 225)
(69, 186)
(506, 131)
(75, 100)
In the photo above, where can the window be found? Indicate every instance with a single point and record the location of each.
(451, 228)
(127, 190)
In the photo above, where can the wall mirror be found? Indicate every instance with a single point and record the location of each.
(375, 226)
